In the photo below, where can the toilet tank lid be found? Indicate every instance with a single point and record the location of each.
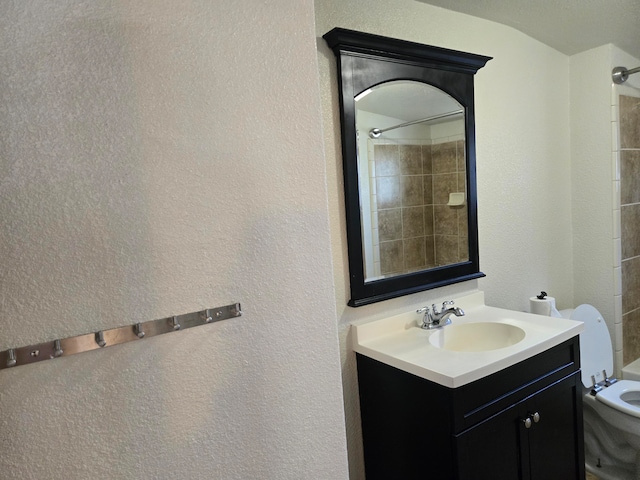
(596, 353)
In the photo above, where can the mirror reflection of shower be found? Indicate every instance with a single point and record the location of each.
(376, 132)
(411, 164)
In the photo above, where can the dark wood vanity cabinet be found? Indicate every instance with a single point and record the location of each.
(544, 450)
(523, 422)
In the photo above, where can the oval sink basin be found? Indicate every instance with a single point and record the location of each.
(476, 337)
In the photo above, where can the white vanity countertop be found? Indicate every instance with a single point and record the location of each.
(399, 341)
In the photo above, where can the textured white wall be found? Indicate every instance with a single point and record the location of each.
(595, 185)
(523, 164)
(595, 182)
(157, 158)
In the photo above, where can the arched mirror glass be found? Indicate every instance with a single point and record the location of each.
(408, 145)
(411, 178)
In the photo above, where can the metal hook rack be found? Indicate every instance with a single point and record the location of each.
(114, 336)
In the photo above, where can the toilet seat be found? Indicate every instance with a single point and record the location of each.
(596, 352)
(596, 355)
(624, 395)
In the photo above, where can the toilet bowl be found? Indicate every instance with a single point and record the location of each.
(611, 408)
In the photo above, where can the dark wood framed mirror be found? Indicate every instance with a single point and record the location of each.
(408, 146)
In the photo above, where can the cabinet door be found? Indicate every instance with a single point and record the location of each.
(492, 449)
(555, 441)
(507, 447)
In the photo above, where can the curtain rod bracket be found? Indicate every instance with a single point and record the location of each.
(620, 74)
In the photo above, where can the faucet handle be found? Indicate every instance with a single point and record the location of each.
(427, 317)
(448, 302)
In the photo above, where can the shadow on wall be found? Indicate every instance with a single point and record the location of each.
(76, 232)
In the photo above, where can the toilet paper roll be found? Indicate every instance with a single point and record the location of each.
(545, 306)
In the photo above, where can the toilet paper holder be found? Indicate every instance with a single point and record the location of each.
(543, 304)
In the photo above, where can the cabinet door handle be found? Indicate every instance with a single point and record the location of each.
(536, 417)
(527, 422)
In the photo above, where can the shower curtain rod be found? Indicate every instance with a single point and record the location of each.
(376, 132)
(620, 74)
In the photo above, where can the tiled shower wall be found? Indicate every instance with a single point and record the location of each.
(416, 227)
(629, 125)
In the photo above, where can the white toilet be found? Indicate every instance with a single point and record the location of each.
(611, 408)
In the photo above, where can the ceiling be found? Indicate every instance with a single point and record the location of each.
(569, 26)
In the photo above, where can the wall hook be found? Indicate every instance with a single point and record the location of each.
(174, 323)
(206, 316)
(11, 361)
(137, 329)
(57, 349)
(100, 338)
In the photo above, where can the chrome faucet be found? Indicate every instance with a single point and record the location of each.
(435, 319)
